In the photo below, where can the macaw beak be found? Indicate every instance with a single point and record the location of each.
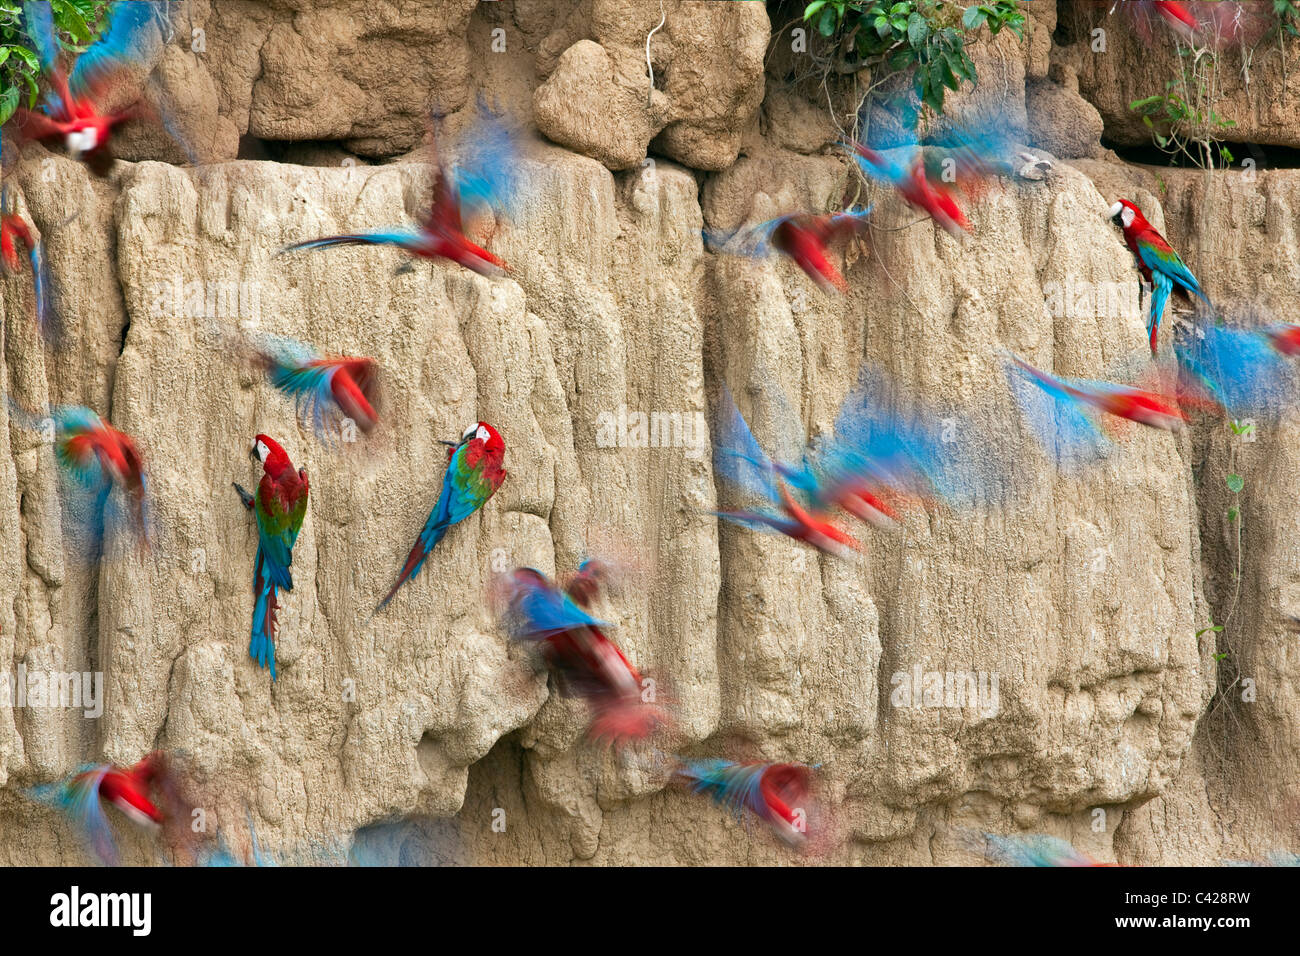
(252, 453)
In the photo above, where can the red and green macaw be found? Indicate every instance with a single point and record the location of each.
(573, 644)
(70, 115)
(929, 179)
(474, 473)
(779, 794)
(805, 238)
(15, 234)
(130, 789)
(100, 458)
(325, 389)
(280, 506)
(482, 185)
(1159, 264)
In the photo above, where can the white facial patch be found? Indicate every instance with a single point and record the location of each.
(483, 434)
(81, 141)
(262, 451)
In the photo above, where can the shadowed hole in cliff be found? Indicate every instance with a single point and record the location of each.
(1260, 157)
(298, 152)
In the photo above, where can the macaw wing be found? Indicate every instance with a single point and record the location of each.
(1158, 256)
(79, 799)
(487, 174)
(444, 217)
(753, 242)
(78, 433)
(277, 530)
(1033, 850)
(883, 169)
(1059, 421)
(468, 486)
(34, 125)
(735, 786)
(539, 610)
(124, 43)
(737, 455)
(1239, 369)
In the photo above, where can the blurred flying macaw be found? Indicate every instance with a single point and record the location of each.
(1062, 413)
(777, 793)
(1159, 264)
(327, 390)
(804, 237)
(482, 185)
(573, 644)
(70, 115)
(929, 181)
(280, 506)
(131, 789)
(474, 473)
(1238, 371)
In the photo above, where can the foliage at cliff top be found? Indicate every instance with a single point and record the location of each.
(927, 37)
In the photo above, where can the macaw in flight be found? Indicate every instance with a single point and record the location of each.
(805, 237)
(96, 460)
(779, 794)
(1065, 414)
(327, 390)
(147, 793)
(585, 662)
(929, 179)
(70, 114)
(484, 184)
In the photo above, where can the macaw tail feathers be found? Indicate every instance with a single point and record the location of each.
(406, 240)
(261, 646)
(414, 561)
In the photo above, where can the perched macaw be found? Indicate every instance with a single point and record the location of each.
(16, 234)
(280, 506)
(474, 473)
(777, 793)
(573, 644)
(70, 114)
(325, 389)
(127, 788)
(1159, 264)
(805, 238)
(481, 185)
(1033, 850)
